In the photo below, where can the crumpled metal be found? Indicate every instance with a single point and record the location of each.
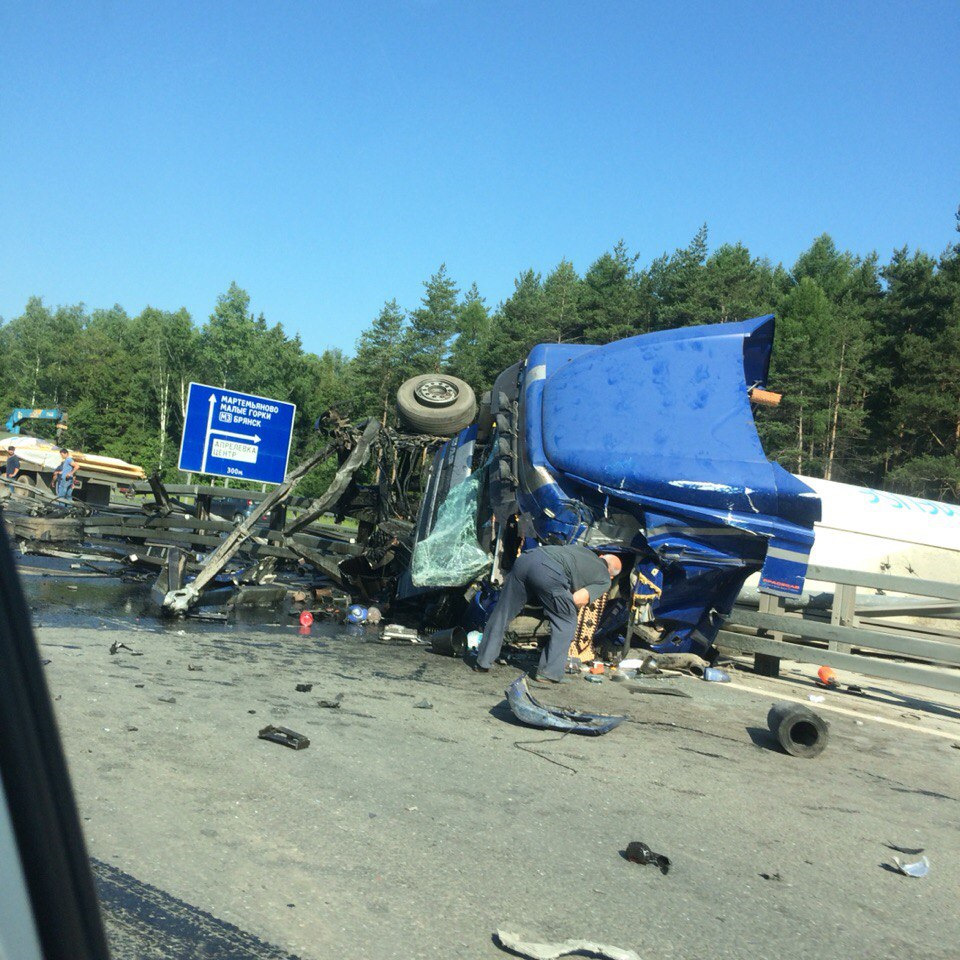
(529, 711)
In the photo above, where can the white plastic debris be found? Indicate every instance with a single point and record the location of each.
(552, 951)
(816, 698)
(473, 639)
(919, 869)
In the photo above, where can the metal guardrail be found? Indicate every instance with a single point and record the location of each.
(773, 633)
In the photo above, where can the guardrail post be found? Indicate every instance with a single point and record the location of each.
(765, 664)
(843, 613)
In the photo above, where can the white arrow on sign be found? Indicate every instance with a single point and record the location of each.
(223, 433)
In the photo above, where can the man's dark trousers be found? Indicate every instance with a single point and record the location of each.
(531, 575)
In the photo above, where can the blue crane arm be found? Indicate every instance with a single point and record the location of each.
(20, 414)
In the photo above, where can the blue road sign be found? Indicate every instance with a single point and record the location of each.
(230, 434)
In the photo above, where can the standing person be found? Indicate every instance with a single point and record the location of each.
(63, 476)
(12, 468)
(562, 578)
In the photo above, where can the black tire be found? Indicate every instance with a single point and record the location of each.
(484, 419)
(436, 404)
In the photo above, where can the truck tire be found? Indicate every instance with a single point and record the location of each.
(436, 404)
(485, 418)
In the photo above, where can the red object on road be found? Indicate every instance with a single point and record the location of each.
(306, 618)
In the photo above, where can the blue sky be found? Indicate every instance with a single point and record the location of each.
(329, 156)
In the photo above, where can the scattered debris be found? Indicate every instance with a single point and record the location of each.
(552, 951)
(800, 731)
(167, 699)
(816, 698)
(194, 667)
(303, 687)
(394, 631)
(374, 616)
(534, 714)
(451, 642)
(285, 737)
(919, 869)
(593, 678)
(423, 705)
(45, 661)
(331, 704)
(716, 675)
(638, 852)
(357, 614)
(306, 618)
(118, 645)
(771, 876)
(827, 678)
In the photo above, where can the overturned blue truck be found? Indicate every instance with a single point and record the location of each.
(646, 447)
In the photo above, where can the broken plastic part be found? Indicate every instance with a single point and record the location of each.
(285, 736)
(919, 869)
(451, 555)
(638, 852)
(716, 675)
(534, 714)
(180, 601)
(552, 951)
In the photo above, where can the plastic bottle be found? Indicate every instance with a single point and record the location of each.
(716, 675)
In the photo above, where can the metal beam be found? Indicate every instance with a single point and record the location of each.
(180, 601)
(896, 643)
(885, 581)
(341, 480)
(868, 666)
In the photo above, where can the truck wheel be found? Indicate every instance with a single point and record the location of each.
(484, 419)
(436, 404)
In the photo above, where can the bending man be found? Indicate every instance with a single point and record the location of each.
(562, 579)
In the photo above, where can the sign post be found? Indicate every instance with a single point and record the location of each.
(236, 435)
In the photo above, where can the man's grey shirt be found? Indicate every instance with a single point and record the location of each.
(580, 567)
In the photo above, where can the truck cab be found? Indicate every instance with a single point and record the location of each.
(647, 447)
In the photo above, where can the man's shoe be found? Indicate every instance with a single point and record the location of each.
(478, 669)
(540, 678)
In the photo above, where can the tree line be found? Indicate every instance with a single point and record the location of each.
(867, 354)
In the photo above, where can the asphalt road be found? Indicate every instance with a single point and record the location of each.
(406, 832)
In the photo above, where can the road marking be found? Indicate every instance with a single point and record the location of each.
(856, 714)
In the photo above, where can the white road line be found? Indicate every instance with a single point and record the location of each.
(856, 714)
